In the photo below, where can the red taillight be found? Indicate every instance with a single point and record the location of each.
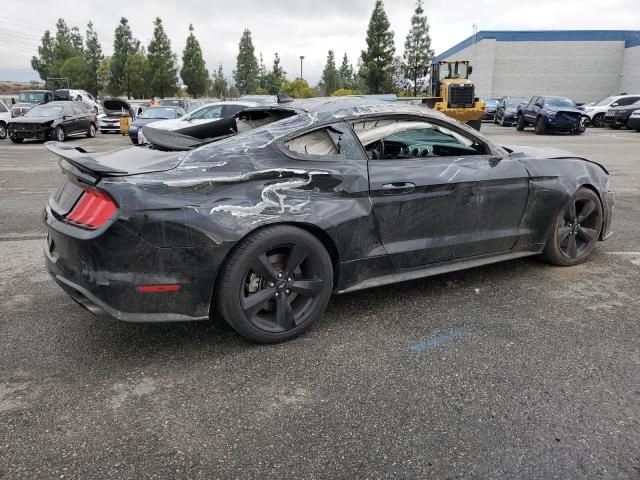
(173, 287)
(92, 210)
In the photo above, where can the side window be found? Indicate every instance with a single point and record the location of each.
(389, 139)
(207, 113)
(540, 102)
(229, 110)
(3, 108)
(68, 112)
(332, 142)
(627, 101)
(77, 110)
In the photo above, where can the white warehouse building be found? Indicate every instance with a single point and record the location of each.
(584, 65)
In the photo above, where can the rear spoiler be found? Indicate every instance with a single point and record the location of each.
(81, 159)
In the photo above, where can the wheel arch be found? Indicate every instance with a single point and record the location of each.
(320, 234)
(597, 193)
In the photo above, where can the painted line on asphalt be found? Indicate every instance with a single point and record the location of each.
(437, 341)
(22, 237)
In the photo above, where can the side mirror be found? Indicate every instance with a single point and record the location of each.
(470, 69)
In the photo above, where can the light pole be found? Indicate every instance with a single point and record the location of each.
(301, 59)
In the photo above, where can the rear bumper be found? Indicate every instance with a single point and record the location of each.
(103, 273)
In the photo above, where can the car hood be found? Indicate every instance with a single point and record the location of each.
(140, 122)
(546, 153)
(24, 119)
(112, 105)
(565, 110)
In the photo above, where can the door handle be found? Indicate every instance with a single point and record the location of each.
(398, 188)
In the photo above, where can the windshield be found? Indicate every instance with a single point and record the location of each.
(453, 70)
(31, 97)
(44, 111)
(559, 102)
(208, 112)
(514, 102)
(604, 101)
(158, 113)
(491, 102)
(175, 103)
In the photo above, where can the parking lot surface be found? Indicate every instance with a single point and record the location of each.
(515, 370)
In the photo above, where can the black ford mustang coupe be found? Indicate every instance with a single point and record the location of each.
(298, 201)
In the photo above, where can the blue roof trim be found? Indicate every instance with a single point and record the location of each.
(631, 38)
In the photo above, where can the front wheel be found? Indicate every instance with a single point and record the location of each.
(598, 120)
(520, 123)
(541, 128)
(575, 231)
(91, 132)
(59, 134)
(3, 131)
(275, 284)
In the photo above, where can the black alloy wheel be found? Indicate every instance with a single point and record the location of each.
(598, 120)
(576, 231)
(275, 284)
(3, 131)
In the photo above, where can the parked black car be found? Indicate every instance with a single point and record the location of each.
(557, 114)
(634, 120)
(53, 120)
(507, 110)
(312, 197)
(617, 117)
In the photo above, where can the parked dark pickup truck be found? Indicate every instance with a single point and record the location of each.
(558, 114)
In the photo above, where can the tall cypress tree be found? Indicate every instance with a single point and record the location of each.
(93, 56)
(161, 63)
(246, 72)
(378, 56)
(65, 47)
(194, 73)
(345, 73)
(330, 77)
(124, 46)
(219, 88)
(417, 50)
(42, 62)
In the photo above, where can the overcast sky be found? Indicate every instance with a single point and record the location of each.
(292, 27)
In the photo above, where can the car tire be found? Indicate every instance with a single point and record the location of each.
(275, 284)
(520, 123)
(3, 131)
(17, 140)
(598, 120)
(60, 134)
(91, 132)
(541, 129)
(575, 230)
(477, 124)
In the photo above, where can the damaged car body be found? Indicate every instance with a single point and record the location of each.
(304, 200)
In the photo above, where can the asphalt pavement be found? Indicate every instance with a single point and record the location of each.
(515, 370)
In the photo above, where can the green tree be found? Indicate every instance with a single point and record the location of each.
(262, 76)
(76, 71)
(298, 88)
(42, 63)
(378, 56)
(246, 72)
(75, 37)
(345, 74)
(103, 74)
(417, 50)
(93, 57)
(124, 45)
(136, 73)
(219, 87)
(66, 45)
(194, 73)
(330, 77)
(162, 72)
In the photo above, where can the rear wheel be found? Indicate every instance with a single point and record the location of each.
(59, 133)
(91, 132)
(541, 128)
(275, 284)
(575, 231)
(520, 123)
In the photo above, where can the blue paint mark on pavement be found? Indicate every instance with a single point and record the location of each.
(440, 339)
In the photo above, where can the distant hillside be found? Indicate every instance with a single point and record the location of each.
(12, 88)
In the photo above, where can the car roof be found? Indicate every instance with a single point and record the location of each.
(57, 103)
